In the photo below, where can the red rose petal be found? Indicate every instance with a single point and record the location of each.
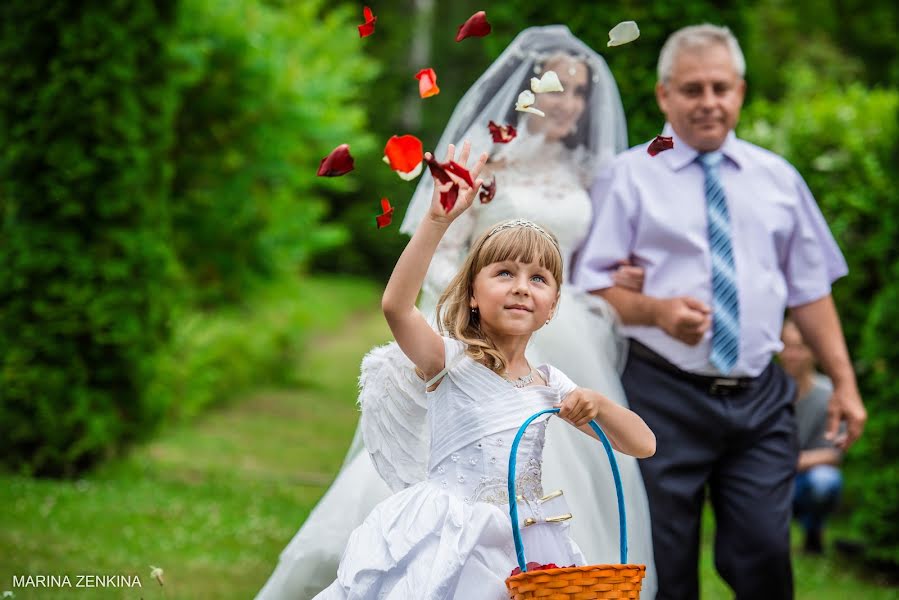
(427, 83)
(447, 198)
(660, 144)
(339, 162)
(367, 28)
(386, 216)
(459, 171)
(502, 134)
(475, 26)
(404, 152)
(488, 191)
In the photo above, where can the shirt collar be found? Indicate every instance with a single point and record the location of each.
(682, 154)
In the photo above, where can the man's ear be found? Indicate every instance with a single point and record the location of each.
(662, 97)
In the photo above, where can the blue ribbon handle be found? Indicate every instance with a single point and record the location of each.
(513, 501)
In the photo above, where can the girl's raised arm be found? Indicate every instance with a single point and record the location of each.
(412, 331)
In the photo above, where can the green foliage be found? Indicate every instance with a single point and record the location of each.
(844, 141)
(268, 91)
(85, 267)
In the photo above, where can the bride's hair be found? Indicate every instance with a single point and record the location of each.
(506, 241)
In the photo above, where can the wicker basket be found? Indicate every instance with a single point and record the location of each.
(573, 583)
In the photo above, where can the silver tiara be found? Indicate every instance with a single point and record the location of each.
(516, 223)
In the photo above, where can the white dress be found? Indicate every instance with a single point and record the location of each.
(449, 536)
(542, 184)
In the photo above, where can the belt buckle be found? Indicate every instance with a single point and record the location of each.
(724, 385)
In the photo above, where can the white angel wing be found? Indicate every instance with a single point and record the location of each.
(394, 416)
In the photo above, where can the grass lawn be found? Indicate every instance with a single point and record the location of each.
(214, 501)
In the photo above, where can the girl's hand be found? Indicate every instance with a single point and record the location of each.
(580, 406)
(629, 276)
(466, 192)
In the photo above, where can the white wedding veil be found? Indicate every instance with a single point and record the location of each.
(601, 131)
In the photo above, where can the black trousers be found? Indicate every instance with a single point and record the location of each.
(742, 447)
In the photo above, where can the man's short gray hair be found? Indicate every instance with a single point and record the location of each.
(698, 37)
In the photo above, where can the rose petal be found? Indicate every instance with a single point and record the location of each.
(410, 175)
(459, 171)
(404, 153)
(475, 26)
(488, 191)
(338, 162)
(502, 134)
(548, 83)
(525, 101)
(660, 144)
(624, 32)
(367, 28)
(447, 198)
(427, 83)
(386, 216)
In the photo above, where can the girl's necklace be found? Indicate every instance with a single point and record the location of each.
(523, 380)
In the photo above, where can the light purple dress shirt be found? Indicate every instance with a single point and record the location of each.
(653, 209)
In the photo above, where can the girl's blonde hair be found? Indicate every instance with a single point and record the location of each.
(511, 240)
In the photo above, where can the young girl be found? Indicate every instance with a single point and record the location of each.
(449, 536)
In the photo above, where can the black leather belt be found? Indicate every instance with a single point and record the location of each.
(716, 386)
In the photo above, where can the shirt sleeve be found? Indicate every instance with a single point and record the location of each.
(560, 382)
(812, 260)
(611, 234)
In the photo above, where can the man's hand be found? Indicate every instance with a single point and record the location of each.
(683, 318)
(845, 405)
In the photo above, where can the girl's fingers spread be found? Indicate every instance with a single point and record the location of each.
(466, 150)
(450, 152)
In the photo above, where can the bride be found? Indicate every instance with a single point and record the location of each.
(541, 175)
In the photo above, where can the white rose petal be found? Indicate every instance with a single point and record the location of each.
(624, 32)
(411, 174)
(548, 83)
(525, 101)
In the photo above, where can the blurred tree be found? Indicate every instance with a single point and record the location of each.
(86, 109)
(269, 89)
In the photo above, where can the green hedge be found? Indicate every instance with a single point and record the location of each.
(843, 139)
(85, 265)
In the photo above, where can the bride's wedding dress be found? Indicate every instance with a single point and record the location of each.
(539, 181)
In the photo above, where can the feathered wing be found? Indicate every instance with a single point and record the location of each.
(394, 416)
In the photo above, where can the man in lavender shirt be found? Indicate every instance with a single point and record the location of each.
(729, 236)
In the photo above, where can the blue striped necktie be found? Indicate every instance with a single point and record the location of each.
(725, 301)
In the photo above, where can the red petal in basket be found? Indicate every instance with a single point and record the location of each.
(475, 26)
(447, 198)
(533, 566)
(660, 144)
(384, 219)
(404, 153)
(488, 191)
(339, 162)
(502, 134)
(427, 83)
(367, 28)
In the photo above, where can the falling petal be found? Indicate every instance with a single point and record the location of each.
(475, 26)
(525, 101)
(447, 198)
(548, 83)
(660, 144)
(427, 83)
(459, 171)
(367, 28)
(624, 32)
(404, 155)
(386, 216)
(339, 162)
(502, 134)
(410, 175)
(488, 191)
